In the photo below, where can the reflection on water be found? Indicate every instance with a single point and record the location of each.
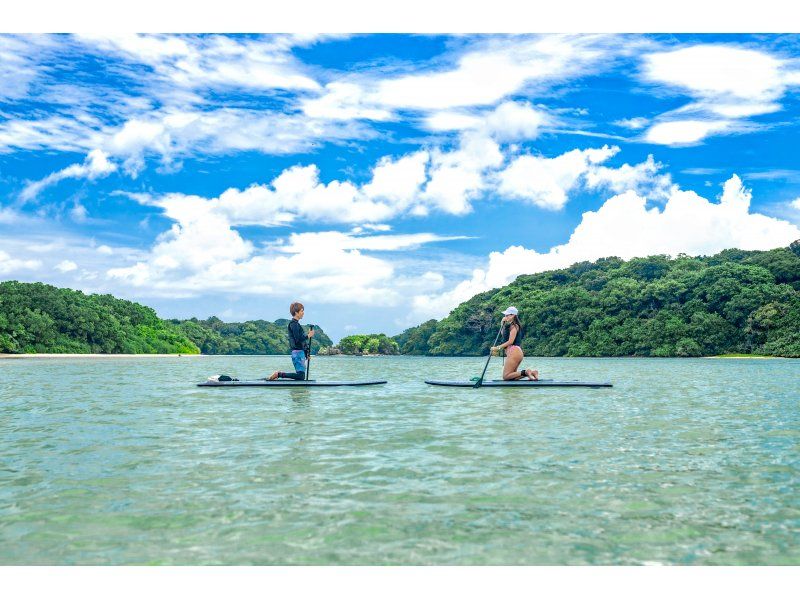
(126, 461)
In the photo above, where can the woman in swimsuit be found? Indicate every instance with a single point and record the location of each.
(512, 338)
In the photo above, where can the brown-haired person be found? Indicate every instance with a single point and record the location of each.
(298, 343)
(512, 338)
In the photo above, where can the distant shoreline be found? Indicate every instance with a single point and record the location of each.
(93, 355)
(161, 355)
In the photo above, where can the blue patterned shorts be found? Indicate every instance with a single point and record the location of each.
(299, 361)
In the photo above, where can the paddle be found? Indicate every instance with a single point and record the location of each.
(308, 362)
(479, 381)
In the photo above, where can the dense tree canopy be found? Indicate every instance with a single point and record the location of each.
(733, 302)
(257, 337)
(39, 318)
(370, 344)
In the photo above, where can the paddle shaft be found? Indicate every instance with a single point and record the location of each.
(308, 363)
(480, 380)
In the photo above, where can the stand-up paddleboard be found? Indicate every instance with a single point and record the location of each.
(518, 384)
(290, 383)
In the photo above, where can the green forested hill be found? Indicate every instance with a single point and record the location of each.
(256, 337)
(733, 302)
(40, 318)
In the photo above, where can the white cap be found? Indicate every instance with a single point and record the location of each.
(511, 311)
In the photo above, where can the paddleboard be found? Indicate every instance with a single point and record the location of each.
(292, 383)
(518, 384)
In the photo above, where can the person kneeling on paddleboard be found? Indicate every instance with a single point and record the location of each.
(298, 343)
(512, 338)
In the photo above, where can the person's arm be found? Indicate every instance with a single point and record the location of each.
(512, 334)
(298, 336)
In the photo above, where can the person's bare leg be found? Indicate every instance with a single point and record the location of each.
(513, 359)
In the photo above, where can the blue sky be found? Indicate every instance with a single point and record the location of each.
(382, 179)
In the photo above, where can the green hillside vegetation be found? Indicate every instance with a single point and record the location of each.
(745, 302)
(40, 318)
(256, 337)
(371, 344)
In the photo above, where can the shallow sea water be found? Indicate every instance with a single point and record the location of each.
(126, 461)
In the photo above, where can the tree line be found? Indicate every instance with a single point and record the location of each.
(254, 337)
(365, 344)
(41, 318)
(733, 302)
(736, 301)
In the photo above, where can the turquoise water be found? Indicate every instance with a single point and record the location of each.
(125, 461)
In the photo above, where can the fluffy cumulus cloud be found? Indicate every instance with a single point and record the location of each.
(626, 227)
(546, 182)
(203, 254)
(727, 82)
(298, 193)
(418, 184)
(204, 249)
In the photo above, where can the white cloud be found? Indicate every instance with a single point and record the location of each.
(17, 69)
(480, 75)
(398, 180)
(66, 134)
(743, 110)
(644, 178)
(322, 266)
(213, 60)
(415, 185)
(458, 176)
(12, 216)
(684, 132)
(66, 266)
(487, 73)
(512, 121)
(625, 227)
(726, 81)
(546, 182)
(636, 123)
(795, 204)
(344, 101)
(412, 184)
(715, 70)
(96, 165)
(451, 120)
(175, 133)
(9, 264)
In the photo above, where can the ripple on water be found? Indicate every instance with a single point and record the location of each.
(125, 461)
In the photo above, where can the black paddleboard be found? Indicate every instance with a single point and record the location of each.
(291, 383)
(518, 384)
